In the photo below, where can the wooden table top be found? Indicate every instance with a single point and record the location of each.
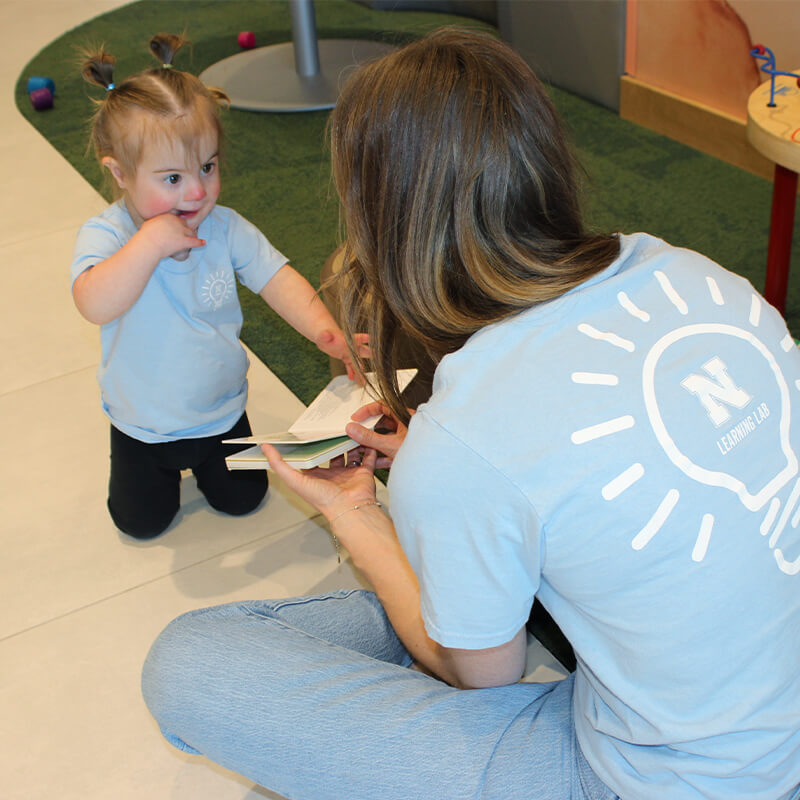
(775, 132)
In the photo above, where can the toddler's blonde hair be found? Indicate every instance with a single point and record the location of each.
(158, 104)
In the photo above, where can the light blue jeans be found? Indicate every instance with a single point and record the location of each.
(312, 697)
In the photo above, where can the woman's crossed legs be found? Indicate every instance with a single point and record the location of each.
(313, 698)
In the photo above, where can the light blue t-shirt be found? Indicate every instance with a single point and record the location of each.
(628, 453)
(172, 365)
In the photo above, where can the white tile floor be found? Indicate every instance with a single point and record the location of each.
(80, 603)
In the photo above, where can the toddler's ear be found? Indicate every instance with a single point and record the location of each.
(112, 165)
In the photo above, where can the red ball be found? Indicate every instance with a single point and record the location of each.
(42, 99)
(247, 40)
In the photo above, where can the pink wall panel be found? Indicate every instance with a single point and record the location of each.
(698, 49)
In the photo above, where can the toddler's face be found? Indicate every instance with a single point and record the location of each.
(169, 180)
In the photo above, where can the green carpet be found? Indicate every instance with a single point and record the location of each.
(277, 172)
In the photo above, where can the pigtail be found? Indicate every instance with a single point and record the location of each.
(97, 67)
(164, 47)
(171, 98)
(221, 98)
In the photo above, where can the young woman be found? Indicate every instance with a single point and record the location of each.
(612, 429)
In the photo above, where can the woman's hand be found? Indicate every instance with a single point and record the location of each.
(332, 490)
(387, 444)
(369, 537)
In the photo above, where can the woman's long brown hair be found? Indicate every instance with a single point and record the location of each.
(460, 197)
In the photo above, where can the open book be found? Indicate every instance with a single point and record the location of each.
(317, 435)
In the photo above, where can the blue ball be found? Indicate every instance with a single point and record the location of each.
(38, 82)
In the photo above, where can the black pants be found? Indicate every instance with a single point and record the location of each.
(144, 487)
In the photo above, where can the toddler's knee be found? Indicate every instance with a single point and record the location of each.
(143, 525)
(249, 492)
(247, 505)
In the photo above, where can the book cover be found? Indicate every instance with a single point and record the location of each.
(317, 435)
(301, 456)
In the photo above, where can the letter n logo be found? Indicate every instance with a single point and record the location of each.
(717, 393)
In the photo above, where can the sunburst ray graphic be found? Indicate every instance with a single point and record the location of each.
(717, 394)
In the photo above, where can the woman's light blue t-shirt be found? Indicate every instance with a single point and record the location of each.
(629, 454)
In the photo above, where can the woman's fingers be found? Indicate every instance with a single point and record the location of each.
(386, 443)
(289, 475)
(369, 459)
(369, 410)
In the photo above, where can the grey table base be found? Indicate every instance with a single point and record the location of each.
(266, 78)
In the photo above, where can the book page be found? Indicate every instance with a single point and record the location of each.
(333, 407)
(328, 414)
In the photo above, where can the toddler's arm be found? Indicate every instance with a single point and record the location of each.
(290, 295)
(109, 288)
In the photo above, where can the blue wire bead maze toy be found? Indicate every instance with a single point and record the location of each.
(773, 129)
(768, 57)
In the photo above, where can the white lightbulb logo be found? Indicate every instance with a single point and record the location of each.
(723, 461)
(753, 498)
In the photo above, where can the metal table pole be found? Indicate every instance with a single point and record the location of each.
(302, 75)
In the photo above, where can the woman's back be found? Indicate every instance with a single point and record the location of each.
(632, 443)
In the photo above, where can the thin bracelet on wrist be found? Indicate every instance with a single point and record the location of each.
(356, 507)
(347, 511)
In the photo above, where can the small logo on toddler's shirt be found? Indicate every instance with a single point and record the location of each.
(217, 289)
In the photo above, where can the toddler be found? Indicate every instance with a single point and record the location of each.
(157, 271)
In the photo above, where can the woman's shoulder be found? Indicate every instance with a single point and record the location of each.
(644, 250)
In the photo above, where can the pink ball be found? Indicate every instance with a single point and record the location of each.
(247, 40)
(41, 99)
